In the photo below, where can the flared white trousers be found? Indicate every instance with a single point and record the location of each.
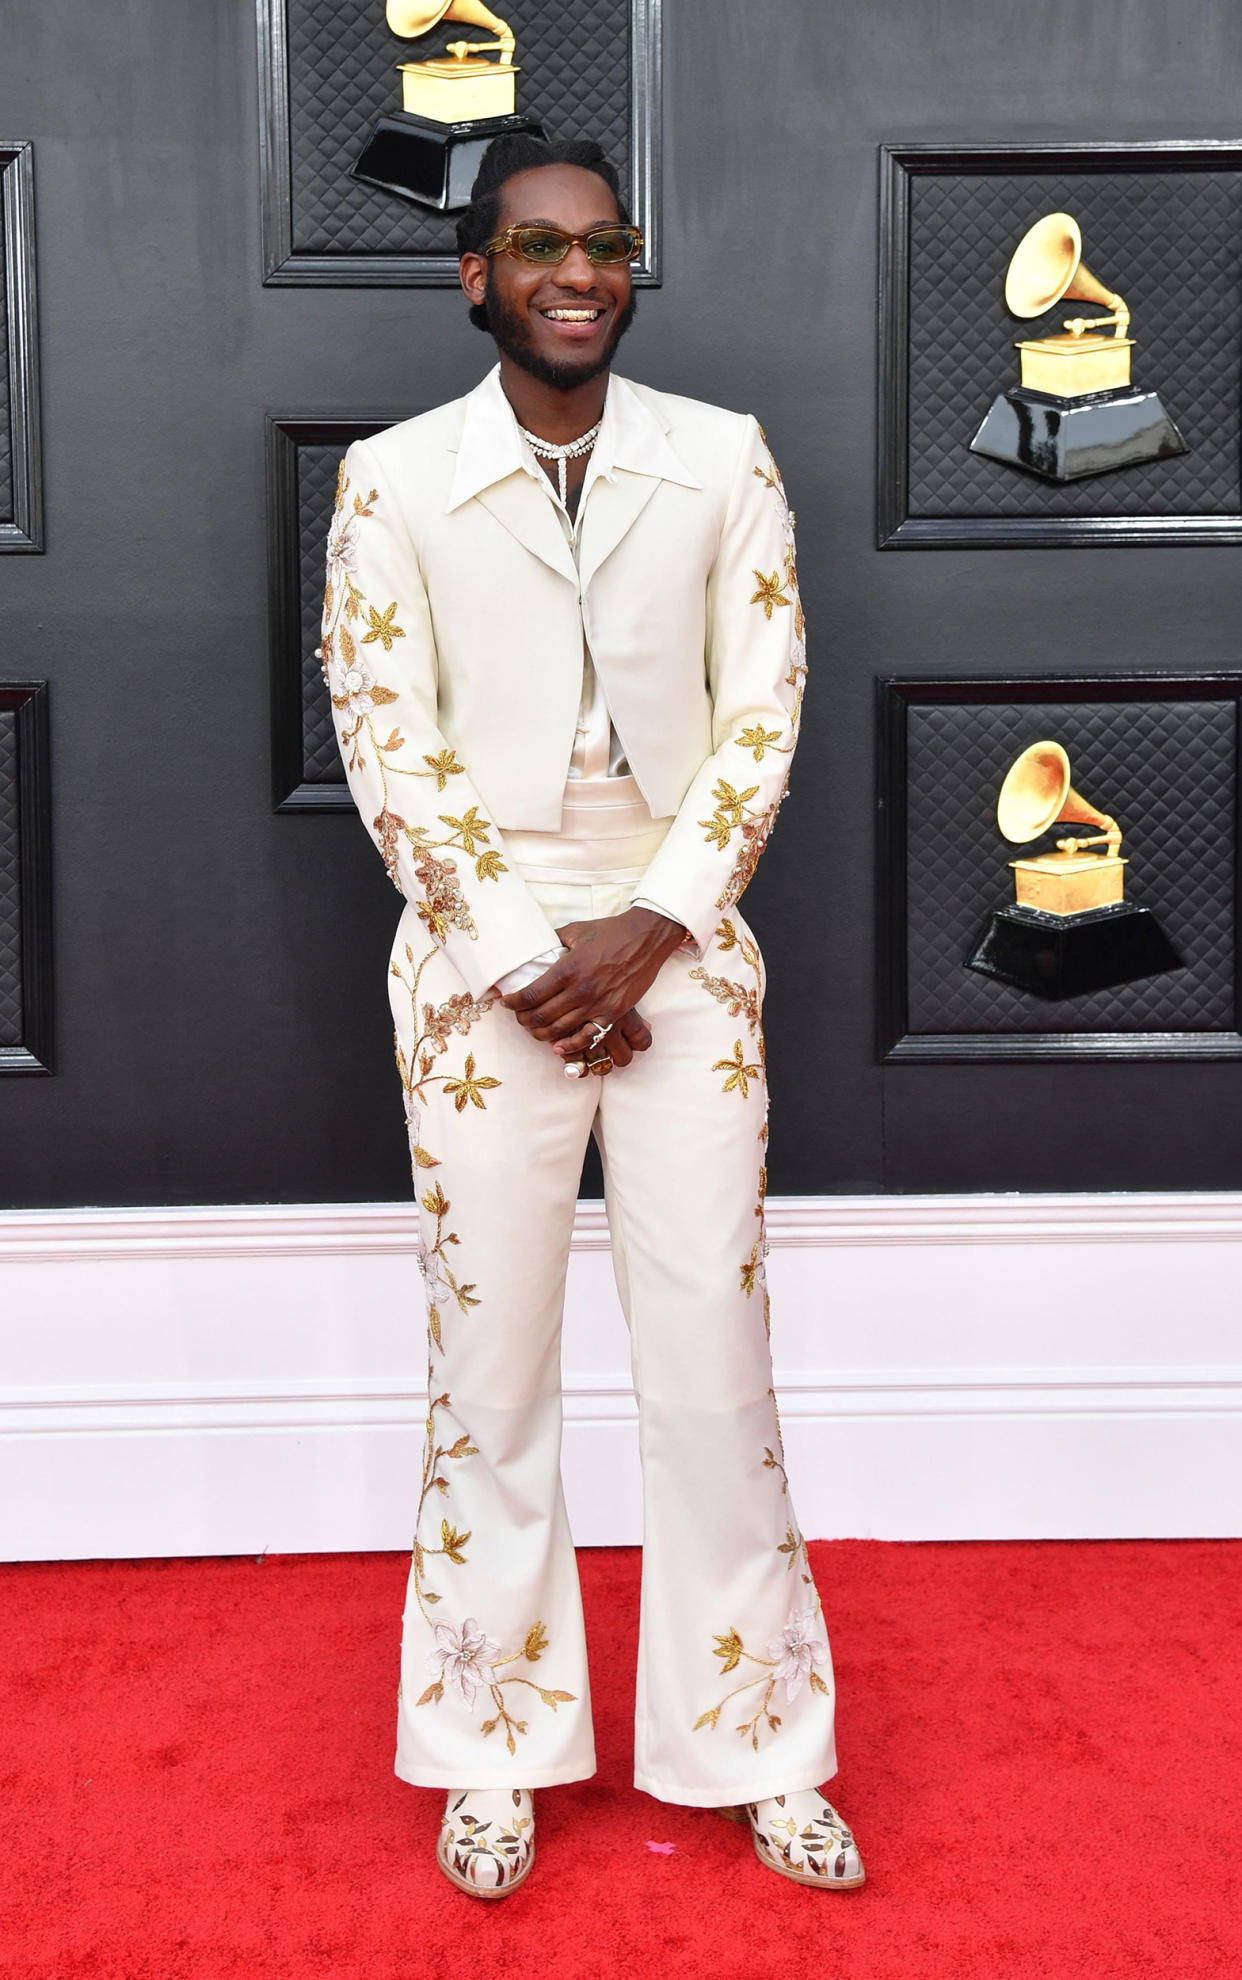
(735, 1689)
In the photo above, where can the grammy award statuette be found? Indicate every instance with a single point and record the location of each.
(453, 105)
(1075, 412)
(1070, 929)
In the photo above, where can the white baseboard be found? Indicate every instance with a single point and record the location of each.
(249, 1379)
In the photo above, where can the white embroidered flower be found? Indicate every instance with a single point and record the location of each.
(413, 1123)
(439, 1292)
(342, 548)
(351, 682)
(799, 1647)
(464, 1661)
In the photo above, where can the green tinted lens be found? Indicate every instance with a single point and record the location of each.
(540, 244)
(610, 244)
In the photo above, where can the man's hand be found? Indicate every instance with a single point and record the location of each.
(610, 964)
(629, 1034)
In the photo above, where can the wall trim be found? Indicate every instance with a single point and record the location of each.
(388, 1229)
(961, 1391)
(243, 1378)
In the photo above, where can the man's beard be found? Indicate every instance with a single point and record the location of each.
(513, 339)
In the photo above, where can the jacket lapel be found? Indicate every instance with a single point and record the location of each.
(613, 507)
(526, 513)
(488, 470)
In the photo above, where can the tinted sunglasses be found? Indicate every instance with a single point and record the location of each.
(603, 246)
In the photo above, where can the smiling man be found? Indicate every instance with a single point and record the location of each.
(565, 651)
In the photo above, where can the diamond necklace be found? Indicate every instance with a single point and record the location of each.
(548, 450)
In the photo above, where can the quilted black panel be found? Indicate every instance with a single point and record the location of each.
(1166, 770)
(1168, 241)
(6, 435)
(574, 77)
(317, 466)
(10, 887)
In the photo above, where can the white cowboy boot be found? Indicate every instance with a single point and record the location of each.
(802, 1836)
(487, 1840)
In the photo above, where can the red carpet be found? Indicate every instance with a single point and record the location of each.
(1040, 1753)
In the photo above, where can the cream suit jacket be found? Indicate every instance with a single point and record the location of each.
(454, 620)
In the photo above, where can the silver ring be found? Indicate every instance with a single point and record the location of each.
(601, 1031)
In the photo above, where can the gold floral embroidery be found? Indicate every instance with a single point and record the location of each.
(758, 740)
(793, 1656)
(382, 627)
(796, 677)
(791, 1660)
(743, 1001)
(755, 832)
(753, 1270)
(439, 1278)
(771, 592)
(356, 695)
(737, 998)
(454, 1014)
(739, 1072)
(734, 813)
(417, 1072)
(444, 766)
(431, 1037)
(470, 1087)
(443, 905)
(732, 810)
(466, 1659)
(793, 1545)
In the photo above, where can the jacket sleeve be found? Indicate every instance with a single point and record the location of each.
(379, 661)
(756, 666)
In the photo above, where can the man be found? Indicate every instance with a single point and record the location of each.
(564, 646)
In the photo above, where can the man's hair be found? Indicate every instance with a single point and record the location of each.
(503, 159)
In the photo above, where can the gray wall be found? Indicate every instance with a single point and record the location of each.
(222, 1015)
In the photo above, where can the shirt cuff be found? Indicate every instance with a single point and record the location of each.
(527, 972)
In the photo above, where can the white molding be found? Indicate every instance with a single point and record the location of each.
(229, 1379)
(276, 1230)
(817, 1398)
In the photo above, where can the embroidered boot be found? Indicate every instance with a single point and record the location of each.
(487, 1840)
(802, 1836)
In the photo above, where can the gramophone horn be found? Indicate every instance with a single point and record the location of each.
(410, 18)
(1047, 264)
(1037, 793)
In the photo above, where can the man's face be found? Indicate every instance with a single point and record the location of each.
(527, 304)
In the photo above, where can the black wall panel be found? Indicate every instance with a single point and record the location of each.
(1175, 235)
(222, 1019)
(10, 886)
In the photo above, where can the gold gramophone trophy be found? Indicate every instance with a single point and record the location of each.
(1070, 929)
(1075, 412)
(452, 106)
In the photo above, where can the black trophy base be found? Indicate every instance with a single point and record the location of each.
(1055, 956)
(1066, 439)
(431, 164)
